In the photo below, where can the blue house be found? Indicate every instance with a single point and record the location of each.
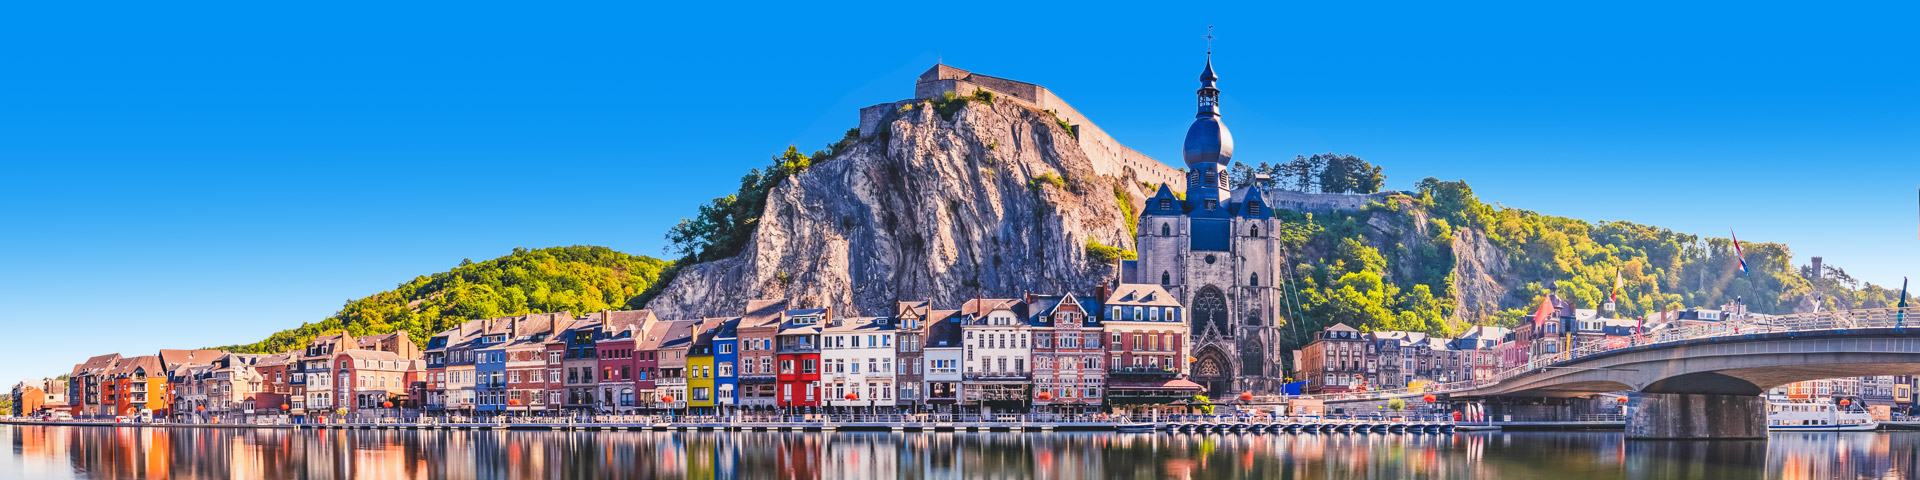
(726, 353)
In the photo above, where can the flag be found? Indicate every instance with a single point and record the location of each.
(1737, 253)
(1546, 310)
(1900, 319)
(1617, 283)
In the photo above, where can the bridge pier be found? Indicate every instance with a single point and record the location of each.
(1653, 416)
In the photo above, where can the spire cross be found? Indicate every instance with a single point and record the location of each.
(1210, 38)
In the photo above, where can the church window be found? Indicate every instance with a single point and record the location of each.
(1210, 179)
(1211, 204)
(1254, 281)
(1255, 232)
(1210, 308)
(1209, 259)
(1253, 359)
(1166, 231)
(1166, 279)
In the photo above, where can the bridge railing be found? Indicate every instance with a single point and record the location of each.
(1839, 321)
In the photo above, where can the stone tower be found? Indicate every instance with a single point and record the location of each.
(1214, 250)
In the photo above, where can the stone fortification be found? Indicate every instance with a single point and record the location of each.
(1324, 202)
(1108, 156)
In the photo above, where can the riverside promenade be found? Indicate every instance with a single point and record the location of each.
(854, 422)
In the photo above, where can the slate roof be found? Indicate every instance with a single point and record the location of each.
(172, 359)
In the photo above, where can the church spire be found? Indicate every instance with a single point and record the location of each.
(1209, 90)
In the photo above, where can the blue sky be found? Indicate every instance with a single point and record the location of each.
(184, 175)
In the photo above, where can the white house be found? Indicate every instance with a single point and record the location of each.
(858, 360)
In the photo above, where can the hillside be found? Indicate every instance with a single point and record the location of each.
(955, 197)
(576, 278)
(947, 199)
(1439, 259)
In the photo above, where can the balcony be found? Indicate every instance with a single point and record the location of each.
(669, 382)
(1142, 372)
(994, 376)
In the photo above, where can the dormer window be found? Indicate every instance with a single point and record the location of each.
(1254, 208)
(1166, 204)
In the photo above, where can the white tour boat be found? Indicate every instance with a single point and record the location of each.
(1816, 417)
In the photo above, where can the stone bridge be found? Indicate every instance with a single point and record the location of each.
(1705, 380)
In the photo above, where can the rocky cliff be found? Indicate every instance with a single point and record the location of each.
(994, 200)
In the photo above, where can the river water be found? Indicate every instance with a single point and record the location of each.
(186, 453)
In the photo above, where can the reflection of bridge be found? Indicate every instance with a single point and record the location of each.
(1704, 380)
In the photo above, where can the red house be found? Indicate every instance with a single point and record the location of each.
(798, 357)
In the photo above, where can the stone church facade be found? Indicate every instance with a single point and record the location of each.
(1215, 251)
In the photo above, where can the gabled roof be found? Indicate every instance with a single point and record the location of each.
(1342, 326)
(943, 329)
(1141, 294)
(654, 335)
(97, 365)
(172, 359)
(147, 363)
(916, 308)
(678, 334)
(861, 324)
(630, 322)
(730, 328)
(375, 355)
(982, 306)
(1174, 206)
(762, 313)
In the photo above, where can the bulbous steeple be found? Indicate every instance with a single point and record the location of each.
(1208, 140)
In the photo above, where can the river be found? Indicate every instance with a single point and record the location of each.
(189, 453)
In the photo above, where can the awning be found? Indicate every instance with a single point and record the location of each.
(1175, 385)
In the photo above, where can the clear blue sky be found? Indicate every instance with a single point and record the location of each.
(184, 175)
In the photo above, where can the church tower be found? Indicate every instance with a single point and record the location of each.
(1214, 250)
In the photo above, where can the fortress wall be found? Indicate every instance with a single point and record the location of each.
(1109, 156)
(1322, 202)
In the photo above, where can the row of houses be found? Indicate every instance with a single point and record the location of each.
(1341, 358)
(1123, 345)
(1065, 352)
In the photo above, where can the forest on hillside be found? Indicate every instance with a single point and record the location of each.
(576, 279)
(1345, 267)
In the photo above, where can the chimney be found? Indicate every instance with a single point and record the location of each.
(1100, 293)
(1031, 297)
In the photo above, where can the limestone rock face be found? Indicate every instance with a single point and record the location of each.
(1479, 276)
(928, 208)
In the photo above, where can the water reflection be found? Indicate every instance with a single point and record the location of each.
(109, 452)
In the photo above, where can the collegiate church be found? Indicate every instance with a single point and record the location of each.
(1215, 251)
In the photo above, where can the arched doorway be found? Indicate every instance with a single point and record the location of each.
(1210, 309)
(1212, 371)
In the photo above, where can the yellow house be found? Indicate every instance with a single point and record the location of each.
(700, 365)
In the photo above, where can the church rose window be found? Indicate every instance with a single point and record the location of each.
(1209, 367)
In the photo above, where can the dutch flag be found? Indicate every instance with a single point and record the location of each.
(1737, 253)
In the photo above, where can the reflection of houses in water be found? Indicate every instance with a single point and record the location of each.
(122, 452)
